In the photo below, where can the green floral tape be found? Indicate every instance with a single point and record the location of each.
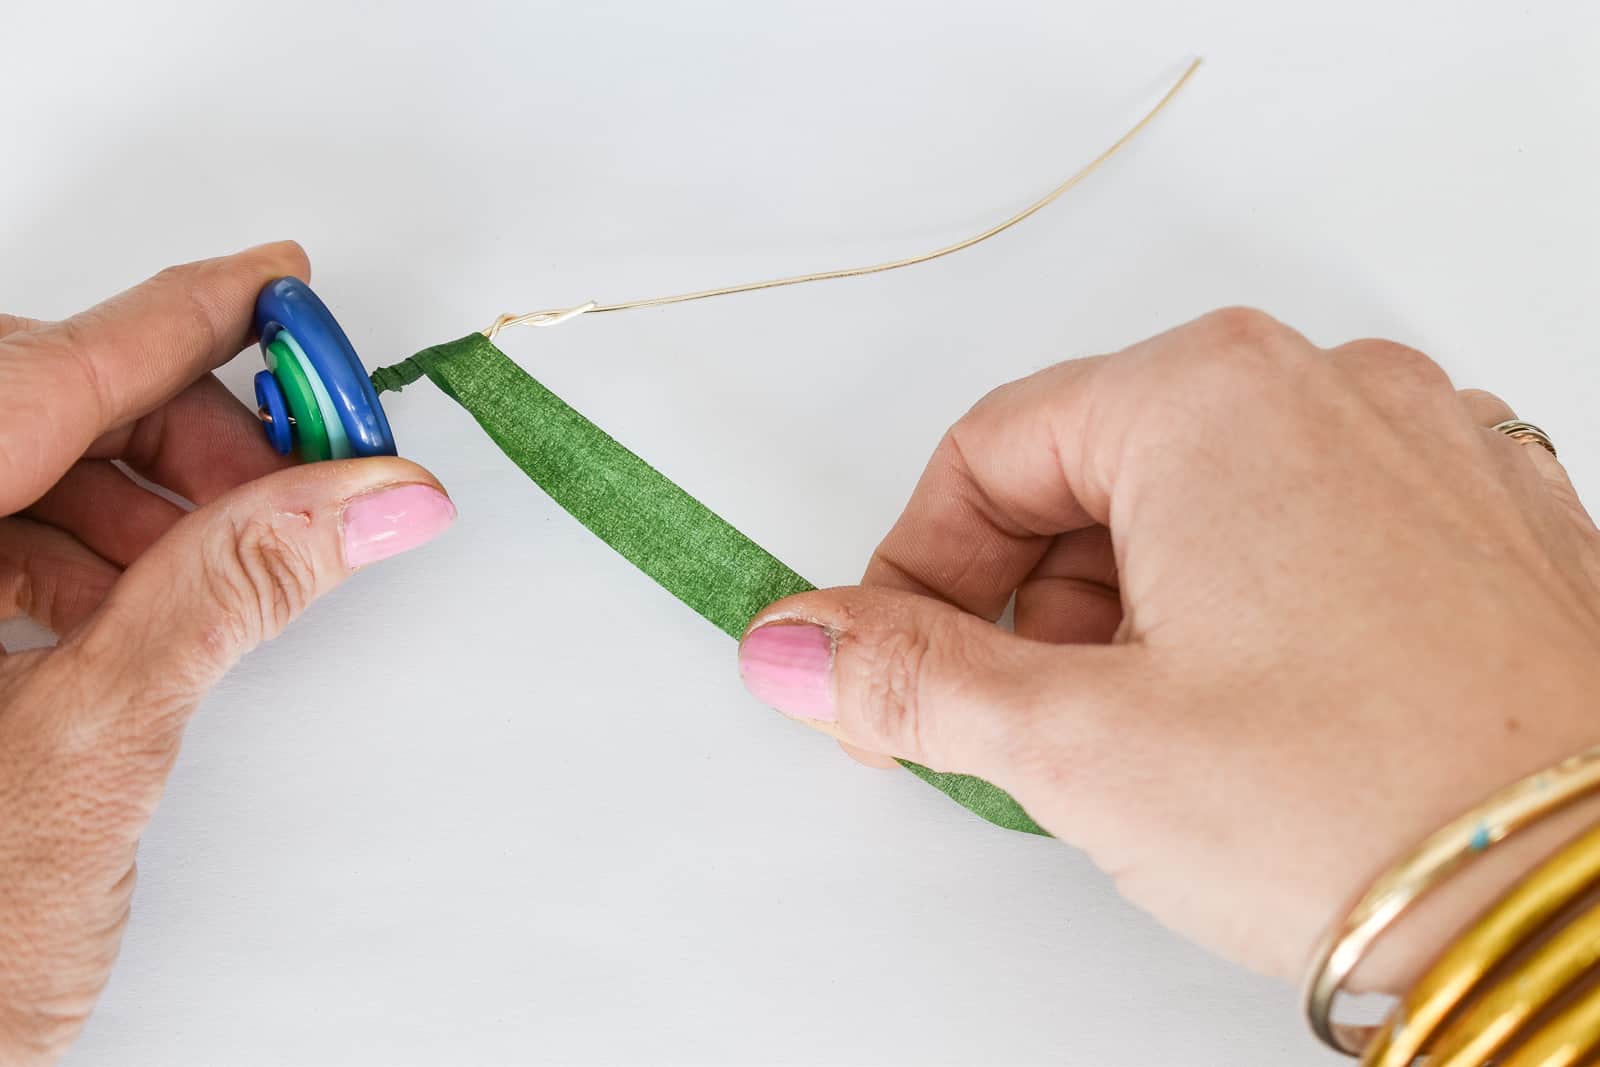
(694, 554)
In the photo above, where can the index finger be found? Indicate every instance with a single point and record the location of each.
(1004, 481)
(64, 384)
(1045, 455)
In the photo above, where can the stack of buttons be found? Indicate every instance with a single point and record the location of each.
(314, 397)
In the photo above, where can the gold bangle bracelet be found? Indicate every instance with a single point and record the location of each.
(1568, 1038)
(1552, 888)
(1498, 1016)
(1402, 885)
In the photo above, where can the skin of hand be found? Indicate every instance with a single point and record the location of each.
(152, 602)
(1280, 612)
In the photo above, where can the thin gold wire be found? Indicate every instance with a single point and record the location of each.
(555, 316)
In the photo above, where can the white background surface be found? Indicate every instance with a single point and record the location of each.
(503, 801)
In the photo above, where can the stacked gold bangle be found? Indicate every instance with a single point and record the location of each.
(1470, 1004)
(1513, 922)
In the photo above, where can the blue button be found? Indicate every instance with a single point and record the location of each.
(288, 304)
(269, 398)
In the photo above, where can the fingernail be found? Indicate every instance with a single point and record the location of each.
(390, 521)
(786, 665)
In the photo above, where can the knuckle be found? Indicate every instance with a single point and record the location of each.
(187, 282)
(1480, 396)
(1243, 351)
(890, 666)
(990, 405)
(952, 455)
(948, 451)
(260, 578)
(1484, 406)
(1228, 364)
(1244, 327)
(176, 274)
(70, 344)
(1393, 367)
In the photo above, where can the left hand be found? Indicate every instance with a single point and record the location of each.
(153, 603)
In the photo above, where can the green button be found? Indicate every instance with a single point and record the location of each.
(338, 440)
(310, 433)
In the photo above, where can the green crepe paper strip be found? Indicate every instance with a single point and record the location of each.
(695, 554)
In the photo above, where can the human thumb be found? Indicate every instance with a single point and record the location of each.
(915, 678)
(89, 730)
(234, 573)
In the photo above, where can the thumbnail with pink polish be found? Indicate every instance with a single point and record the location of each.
(787, 665)
(390, 521)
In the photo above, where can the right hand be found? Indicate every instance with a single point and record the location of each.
(1280, 613)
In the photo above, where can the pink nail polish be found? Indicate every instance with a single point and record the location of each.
(390, 521)
(787, 665)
